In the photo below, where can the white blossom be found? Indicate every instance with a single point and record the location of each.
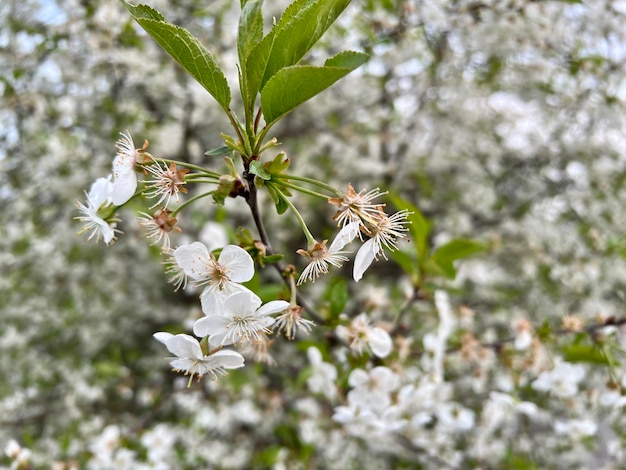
(242, 318)
(372, 389)
(385, 230)
(104, 446)
(19, 455)
(576, 428)
(320, 257)
(190, 359)
(124, 175)
(159, 442)
(323, 376)
(221, 277)
(562, 380)
(213, 235)
(360, 334)
(99, 197)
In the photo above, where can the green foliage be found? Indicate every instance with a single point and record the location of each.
(257, 168)
(337, 296)
(278, 198)
(218, 151)
(442, 260)
(584, 353)
(302, 24)
(515, 461)
(185, 49)
(292, 86)
(419, 227)
(279, 164)
(250, 28)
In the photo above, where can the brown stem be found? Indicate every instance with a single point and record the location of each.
(252, 201)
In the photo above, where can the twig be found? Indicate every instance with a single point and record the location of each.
(252, 201)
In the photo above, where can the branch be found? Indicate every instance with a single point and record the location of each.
(591, 330)
(252, 201)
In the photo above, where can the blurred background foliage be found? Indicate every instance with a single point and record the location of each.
(503, 121)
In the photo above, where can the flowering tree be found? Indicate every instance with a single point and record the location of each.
(435, 363)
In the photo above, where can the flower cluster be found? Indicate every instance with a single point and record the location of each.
(107, 194)
(358, 216)
(233, 315)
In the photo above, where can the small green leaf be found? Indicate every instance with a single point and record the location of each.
(279, 164)
(250, 30)
(244, 237)
(443, 257)
(338, 296)
(256, 168)
(407, 262)
(294, 85)
(583, 353)
(273, 258)
(419, 227)
(276, 197)
(185, 49)
(218, 151)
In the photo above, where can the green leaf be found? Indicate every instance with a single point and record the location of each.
(338, 296)
(218, 151)
(250, 28)
(584, 353)
(256, 168)
(347, 60)
(279, 164)
(443, 258)
(185, 49)
(273, 258)
(294, 85)
(419, 227)
(302, 24)
(143, 12)
(276, 197)
(407, 262)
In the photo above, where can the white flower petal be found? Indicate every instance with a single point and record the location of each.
(385, 378)
(183, 364)
(238, 262)
(274, 306)
(212, 298)
(184, 346)
(380, 341)
(217, 341)
(216, 327)
(193, 259)
(358, 377)
(108, 233)
(315, 356)
(345, 236)
(123, 188)
(241, 303)
(201, 328)
(228, 359)
(100, 192)
(162, 336)
(213, 235)
(364, 257)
